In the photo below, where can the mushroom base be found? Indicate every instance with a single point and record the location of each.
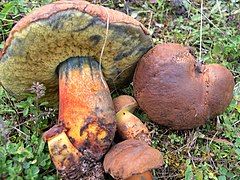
(87, 169)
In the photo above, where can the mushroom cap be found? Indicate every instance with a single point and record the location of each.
(144, 176)
(125, 102)
(131, 157)
(40, 41)
(173, 93)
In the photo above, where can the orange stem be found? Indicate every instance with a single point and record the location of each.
(85, 106)
(87, 121)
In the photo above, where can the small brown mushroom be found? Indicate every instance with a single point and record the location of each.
(128, 125)
(143, 176)
(125, 102)
(131, 157)
(175, 92)
(131, 127)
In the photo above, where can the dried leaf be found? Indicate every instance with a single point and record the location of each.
(219, 140)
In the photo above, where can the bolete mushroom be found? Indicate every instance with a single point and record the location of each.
(131, 127)
(131, 157)
(143, 176)
(73, 47)
(173, 92)
(128, 125)
(125, 102)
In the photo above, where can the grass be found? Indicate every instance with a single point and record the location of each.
(208, 152)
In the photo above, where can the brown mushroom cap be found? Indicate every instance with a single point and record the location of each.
(143, 176)
(131, 157)
(39, 42)
(172, 93)
(125, 102)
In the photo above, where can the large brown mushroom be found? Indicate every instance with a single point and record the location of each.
(74, 48)
(174, 92)
(131, 157)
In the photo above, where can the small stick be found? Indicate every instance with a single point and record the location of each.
(198, 66)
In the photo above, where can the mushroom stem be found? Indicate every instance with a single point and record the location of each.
(85, 105)
(131, 127)
(128, 125)
(86, 110)
(63, 154)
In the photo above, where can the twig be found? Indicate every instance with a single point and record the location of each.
(121, 72)
(213, 138)
(219, 9)
(236, 122)
(150, 20)
(190, 156)
(25, 122)
(12, 127)
(126, 3)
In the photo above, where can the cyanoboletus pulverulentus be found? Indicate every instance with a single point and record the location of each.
(174, 92)
(60, 45)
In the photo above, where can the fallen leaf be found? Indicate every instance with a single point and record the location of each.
(219, 140)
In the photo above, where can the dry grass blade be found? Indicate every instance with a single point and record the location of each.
(104, 45)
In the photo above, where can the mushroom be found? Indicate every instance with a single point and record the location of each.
(143, 176)
(128, 125)
(175, 92)
(125, 102)
(74, 47)
(131, 157)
